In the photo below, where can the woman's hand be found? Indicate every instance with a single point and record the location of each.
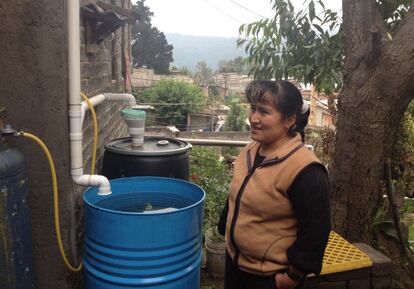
(284, 282)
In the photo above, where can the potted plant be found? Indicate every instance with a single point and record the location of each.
(215, 252)
(214, 176)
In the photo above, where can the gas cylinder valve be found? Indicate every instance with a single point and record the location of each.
(8, 130)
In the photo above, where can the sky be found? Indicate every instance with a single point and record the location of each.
(213, 17)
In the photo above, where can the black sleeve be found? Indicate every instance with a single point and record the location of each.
(221, 226)
(309, 194)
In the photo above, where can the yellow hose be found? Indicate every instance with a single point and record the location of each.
(95, 131)
(54, 180)
(55, 201)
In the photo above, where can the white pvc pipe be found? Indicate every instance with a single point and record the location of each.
(98, 99)
(122, 96)
(75, 110)
(95, 180)
(221, 142)
(95, 100)
(214, 142)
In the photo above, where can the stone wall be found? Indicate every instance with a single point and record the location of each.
(144, 78)
(34, 90)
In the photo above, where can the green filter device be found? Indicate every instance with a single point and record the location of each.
(135, 120)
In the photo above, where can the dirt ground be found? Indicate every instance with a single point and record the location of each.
(210, 282)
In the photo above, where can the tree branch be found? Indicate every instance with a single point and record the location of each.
(363, 27)
(394, 211)
(398, 66)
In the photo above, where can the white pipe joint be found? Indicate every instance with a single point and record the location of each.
(75, 106)
(98, 99)
(104, 188)
(122, 96)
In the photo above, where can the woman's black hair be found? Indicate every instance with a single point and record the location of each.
(287, 99)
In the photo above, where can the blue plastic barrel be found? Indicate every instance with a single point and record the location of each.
(146, 234)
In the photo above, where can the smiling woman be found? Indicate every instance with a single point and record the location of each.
(276, 220)
(271, 126)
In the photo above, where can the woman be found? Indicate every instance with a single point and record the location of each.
(276, 221)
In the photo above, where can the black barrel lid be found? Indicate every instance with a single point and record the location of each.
(153, 146)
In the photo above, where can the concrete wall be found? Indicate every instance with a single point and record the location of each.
(200, 122)
(144, 78)
(233, 82)
(33, 88)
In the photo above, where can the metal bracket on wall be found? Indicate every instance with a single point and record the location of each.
(102, 19)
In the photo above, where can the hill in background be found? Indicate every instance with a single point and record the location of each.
(189, 50)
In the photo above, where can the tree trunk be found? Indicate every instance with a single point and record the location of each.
(378, 86)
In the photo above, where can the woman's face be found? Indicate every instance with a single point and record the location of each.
(267, 124)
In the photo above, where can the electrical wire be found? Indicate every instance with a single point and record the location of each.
(169, 104)
(224, 12)
(247, 9)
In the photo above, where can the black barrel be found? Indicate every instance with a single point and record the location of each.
(159, 156)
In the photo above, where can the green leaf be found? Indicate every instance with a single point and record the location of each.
(318, 28)
(291, 7)
(321, 4)
(311, 10)
(388, 229)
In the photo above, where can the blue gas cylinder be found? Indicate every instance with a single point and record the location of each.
(16, 270)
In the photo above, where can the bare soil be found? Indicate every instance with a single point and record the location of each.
(210, 282)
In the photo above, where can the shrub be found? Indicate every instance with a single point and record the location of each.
(173, 101)
(214, 176)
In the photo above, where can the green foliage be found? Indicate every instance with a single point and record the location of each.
(236, 65)
(213, 97)
(408, 211)
(235, 120)
(150, 47)
(203, 74)
(383, 224)
(403, 168)
(185, 71)
(304, 45)
(214, 176)
(394, 12)
(230, 153)
(403, 155)
(173, 101)
(307, 45)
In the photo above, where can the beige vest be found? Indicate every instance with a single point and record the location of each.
(264, 226)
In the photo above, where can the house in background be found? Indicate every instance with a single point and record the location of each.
(232, 83)
(143, 78)
(320, 115)
(210, 119)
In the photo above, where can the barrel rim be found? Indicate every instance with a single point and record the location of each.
(186, 147)
(94, 190)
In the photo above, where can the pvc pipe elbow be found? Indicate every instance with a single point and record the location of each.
(122, 96)
(104, 187)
